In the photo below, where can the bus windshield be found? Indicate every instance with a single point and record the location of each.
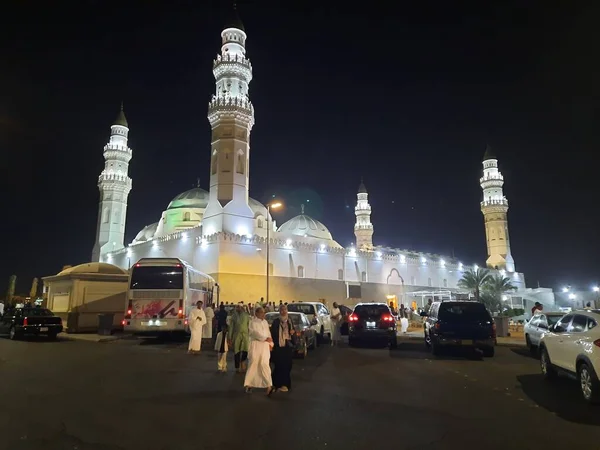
(157, 277)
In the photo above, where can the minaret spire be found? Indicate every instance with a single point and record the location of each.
(494, 207)
(231, 117)
(114, 184)
(363, 228)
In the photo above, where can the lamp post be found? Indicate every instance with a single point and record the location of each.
(270, 206)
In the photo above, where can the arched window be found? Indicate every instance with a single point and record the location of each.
(445, 283)
(340, 274)
(241, 162)
(105, 215)
(260, 223)
(300, 271)
(429, 282)
(186, 216)
(363, 277)
(214, 163)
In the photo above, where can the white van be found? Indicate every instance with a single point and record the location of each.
(319, 316)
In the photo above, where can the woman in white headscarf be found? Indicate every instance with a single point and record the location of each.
(259, 370)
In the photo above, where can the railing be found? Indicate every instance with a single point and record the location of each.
(230, 102)
(228, 58)
(501, 202)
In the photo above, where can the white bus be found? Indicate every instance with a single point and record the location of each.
(161, 293)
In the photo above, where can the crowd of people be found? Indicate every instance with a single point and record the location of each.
(255, 345)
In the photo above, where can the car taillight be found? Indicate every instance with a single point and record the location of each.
(180, 312)
(353, 317)
(597, 342)
(129, 310)
(388, 318)
(123, 322)
(185, 322)
(25, 322)
(437, 326)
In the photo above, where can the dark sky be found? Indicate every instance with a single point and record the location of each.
(406, 96)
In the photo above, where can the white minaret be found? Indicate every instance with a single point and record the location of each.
(494, 208)
(231, 117)
(363, 228)
(114, 185)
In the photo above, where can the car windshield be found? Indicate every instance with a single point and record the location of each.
(36, 312)
(302, 308)
(553, 319)
(157, 277)
(295, 318)
(463, 311)
(371, 310)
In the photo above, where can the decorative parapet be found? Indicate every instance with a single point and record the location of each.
(500, 202)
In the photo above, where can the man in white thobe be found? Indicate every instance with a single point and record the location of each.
(207, 330)
(196, 322)
(259, 354)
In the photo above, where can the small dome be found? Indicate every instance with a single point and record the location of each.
(304, 225)
(146, 234)
(95, 267)
(361, 187)
(194, 198)
(121, 119)
(258, 208)
(489, 153)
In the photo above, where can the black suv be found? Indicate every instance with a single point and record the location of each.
(372, 321)
(459, 324)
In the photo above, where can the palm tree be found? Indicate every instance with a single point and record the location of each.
(474, 281)
(495, 286)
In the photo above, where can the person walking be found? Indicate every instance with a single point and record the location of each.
(282, 332)
(238, 337)
(261, 343)
(207, 330)
(222, 348)
(221, 316)
(336, 318)
(196, 322)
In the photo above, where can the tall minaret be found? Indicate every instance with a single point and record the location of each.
(231, 117)
(494, 208)
(114, 185)
(363, 229)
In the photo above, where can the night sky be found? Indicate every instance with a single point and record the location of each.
(406, 96)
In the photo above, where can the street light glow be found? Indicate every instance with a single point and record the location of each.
(275, 205)
(596, 289)
(572, 296)
(565, 289)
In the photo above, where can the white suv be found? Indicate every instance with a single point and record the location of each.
(572, 347)
(318, 314)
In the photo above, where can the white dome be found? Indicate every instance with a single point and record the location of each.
(95, 267)
(304, 225)
(146, 234)
(194, 198)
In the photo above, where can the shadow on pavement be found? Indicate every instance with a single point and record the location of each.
(525, 352)
(560, 396)
(166, 340)
(418, 350)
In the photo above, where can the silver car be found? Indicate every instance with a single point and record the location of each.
(537, 326)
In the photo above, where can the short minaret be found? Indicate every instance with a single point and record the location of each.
(495, 208)
(231, 117)
(363, 229)
(114, 184)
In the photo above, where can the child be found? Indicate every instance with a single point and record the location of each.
(221, 348)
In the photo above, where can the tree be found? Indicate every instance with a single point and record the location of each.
(474, 281)
(10, 293)
(34, 290)
(495, 286)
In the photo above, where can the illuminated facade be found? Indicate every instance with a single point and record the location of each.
(222, 231)
(494, 207)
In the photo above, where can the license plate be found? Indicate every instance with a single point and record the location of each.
(43, 328)
(152, 323)
(466, 342)
(371, 325)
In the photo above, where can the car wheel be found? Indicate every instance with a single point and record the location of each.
(352, 342)
(393, 343)
(12, 334)
(590, 386)
(488, 352)
(547, 370)
(530, 346)
(436, 349)
(321, 336)
(427, 340)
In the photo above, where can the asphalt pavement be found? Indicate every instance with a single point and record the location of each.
(131, 394)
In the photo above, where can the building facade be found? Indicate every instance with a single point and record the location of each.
(223, 231)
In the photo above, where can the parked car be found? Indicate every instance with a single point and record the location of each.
(306, 335)
(346, 311)
(537, 326)
(459, 324)
(572, 347)
(19, 322)
(319, 316)
(372, 321)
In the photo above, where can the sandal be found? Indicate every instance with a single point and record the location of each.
(270, 390)
(248, 389)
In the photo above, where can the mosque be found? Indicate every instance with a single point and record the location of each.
(231, 236)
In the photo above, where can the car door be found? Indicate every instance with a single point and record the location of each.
(556, 342)
(431, 319)
(531, 329)
(326, 318)
(541, 328)
(575, 338)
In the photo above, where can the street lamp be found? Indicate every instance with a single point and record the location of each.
(572, 296)
(596, 289)
(270, 206)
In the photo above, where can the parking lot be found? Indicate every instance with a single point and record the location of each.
(149, 394)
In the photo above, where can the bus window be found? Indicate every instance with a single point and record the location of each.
(157, 277)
